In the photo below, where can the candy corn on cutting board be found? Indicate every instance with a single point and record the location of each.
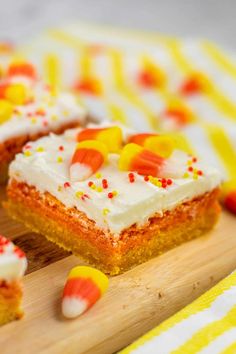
(134, 303)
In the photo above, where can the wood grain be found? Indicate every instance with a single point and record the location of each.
(135, 302)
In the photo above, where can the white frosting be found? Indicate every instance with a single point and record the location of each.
(134, 203)
(12, 265)
(59, 110)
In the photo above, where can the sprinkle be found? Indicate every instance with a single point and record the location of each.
(93, 186)
(98, 175)
(33, 120)
(115, 193)
(186, 175)
(40, 149)
(99, 189)
(79, 194)
(104, 183)
(110, 195)
(195, 176)
(146, 178)
(27, 153)
(199, 172)
(90, 184)
(19, 252)
(59, 159)
(105, 211)
(189, 162)
(66, 184)
(131, 177)
(27, 146)
(54, 117)
(61, 148)
(190, 169)
(59, 188)
(45, 123)
(40, 112)
(194, 159)
(169, 181)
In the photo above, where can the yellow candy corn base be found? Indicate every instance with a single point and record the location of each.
(138, 243)
(10, 302)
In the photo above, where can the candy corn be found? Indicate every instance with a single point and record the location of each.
(88, 157)
(230, 201)
(147, 163)
(16, 93)
(22, 69)
(6, 110)
(135, 158)
(89, 86)
(111, 137)
(195, 84)
(160, 144)
(83, 288)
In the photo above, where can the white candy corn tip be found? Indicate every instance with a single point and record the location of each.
(80, 172)
(73, 306)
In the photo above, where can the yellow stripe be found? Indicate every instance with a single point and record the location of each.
(223, 147)
(117, 113)
(69, 40)
(221, 102)
(52, 70)
(198, 305)
(85, 63)
(230, 350)
(208, 333)
(219, 58)
(128, 93)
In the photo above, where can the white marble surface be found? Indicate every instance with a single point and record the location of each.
(214, 19)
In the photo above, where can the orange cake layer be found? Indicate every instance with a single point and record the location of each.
(12, 146)
(74, 231)
(10, 301)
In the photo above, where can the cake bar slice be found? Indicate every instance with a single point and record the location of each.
(121, 213)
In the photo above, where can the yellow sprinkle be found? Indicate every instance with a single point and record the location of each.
(105, 211)
(114, 193)
(66, 113)
(33, 120)
(59, 188)
(59, 159)
(27, 153)
(93, 186)
(186, 175)
(99, 189)
(40, 149)
(189, 162)
(54, 117)
(195, 176)
(98, 175)
(79, 194)
(195, 170)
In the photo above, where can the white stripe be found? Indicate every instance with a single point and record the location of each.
(221, 342)
(184, 330)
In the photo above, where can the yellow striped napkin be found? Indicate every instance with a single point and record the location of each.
(207, 326)
(106, 67)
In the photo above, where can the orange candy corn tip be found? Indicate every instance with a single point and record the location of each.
(83, 288)
(111, 137)
(160, 144)
(135, 158)
(88, 157)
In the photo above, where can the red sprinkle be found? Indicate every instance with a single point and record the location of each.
(199, 172)
(1, 249)
(169, 181)
(3, 241)
(27, 146)
(19, 252)
(66, 184)
(110, 195)
(45, 123)
(40, 112)
(163, 180)
(86, 196)
(194, 159)
(104, 183)
(164, 184)
(190, 169)
(146, 178)
(61, 148)
(90, 183)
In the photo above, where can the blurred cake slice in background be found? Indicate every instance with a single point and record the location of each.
(13, 265)
(29, 109)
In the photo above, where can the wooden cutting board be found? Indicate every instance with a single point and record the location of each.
(135, 302)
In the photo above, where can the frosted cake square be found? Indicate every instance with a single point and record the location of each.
(111, 196)
(30, 109)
